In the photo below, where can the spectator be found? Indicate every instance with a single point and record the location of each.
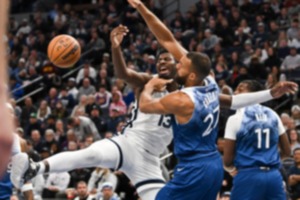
(37, 141)
(16, 88)
(56, 183)
(34, 124)
(294, 139)
(98, 120)
(83, 126)
(72, 88)
(50, 142)
(86, 67)
(98, 177)
(107, 192)
(292, 61)
(292, 32)
(82, 192)
(44, 111)
(117, 107)
(86, 88)
(294, 176)
(210, 40)
(103, 98)
(80, 108)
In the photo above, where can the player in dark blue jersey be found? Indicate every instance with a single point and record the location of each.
(251, 151)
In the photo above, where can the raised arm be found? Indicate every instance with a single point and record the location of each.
(238, 101)
(161, 32)
(121, 70)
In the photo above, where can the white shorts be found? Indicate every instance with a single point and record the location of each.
(141, 167)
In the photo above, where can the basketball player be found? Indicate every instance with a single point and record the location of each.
(145, 137)
(252, 136)
(6, 130)
(6, 186)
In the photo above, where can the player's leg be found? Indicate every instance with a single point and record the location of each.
(144, 172)
(104, 153)
(275, 183)
(248, 184)
(194, 180)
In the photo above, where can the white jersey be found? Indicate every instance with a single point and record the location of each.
(152, 132)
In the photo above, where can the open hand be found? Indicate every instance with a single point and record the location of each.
(134, 3)
(117, 35)
(284, 87)
(159, 84)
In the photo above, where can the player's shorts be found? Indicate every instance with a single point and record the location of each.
(141, 167)
(258, 184)
(199, 179)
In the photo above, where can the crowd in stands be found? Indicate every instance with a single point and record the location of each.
(258, 39)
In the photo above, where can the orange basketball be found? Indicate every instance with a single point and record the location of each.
(64, 51)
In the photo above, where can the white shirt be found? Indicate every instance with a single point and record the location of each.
(59, 180)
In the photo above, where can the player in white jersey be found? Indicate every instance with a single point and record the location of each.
(136, 151)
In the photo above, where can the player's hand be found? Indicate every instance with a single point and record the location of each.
(134, 3)
(117, 35)
(284, 87)
(158, 84)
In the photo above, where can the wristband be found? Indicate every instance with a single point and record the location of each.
(26, 187)
(230, 169)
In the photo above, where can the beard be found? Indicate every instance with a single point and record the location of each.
(180, 80)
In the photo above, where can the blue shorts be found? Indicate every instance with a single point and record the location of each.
(258, 184)
(199, 179)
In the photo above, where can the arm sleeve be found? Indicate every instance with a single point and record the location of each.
(243, 100)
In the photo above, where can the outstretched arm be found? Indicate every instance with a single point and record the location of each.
(238, 101)
(161, 32)
(128, 75)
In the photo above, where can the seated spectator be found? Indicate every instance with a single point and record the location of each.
(89, 69)
(72, 88)
(52, 98)
(50, 141)
(86, 88)
(81, 106)
(44, 111)
(82, 192)
(59, 112)
(295, 112)
(37, 141)
(294, 139)
(66, 99)
(82, 127)
(210, 40)
(56, 183)
(16, 88)
(107, 192)
(98, 119)
(98, 177)
(34, 124)
(117, 107)
(294, 176)
(103, 98)
(292, 61)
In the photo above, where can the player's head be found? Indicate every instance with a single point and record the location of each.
(248, 86)
(166, 65)
(193, 68)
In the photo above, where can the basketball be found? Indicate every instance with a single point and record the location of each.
(64, 51)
